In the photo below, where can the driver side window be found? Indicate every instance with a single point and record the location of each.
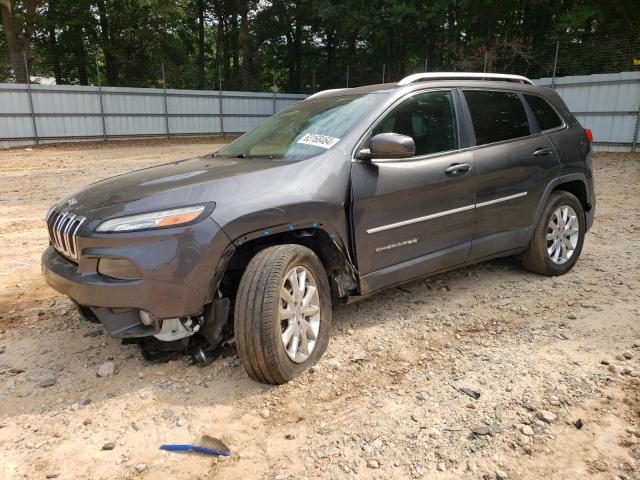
(429, 118)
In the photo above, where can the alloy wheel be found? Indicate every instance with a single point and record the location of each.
(299, 313)
(563, 233)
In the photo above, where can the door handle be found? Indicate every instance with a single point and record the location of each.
(539, 152)
(457, 168)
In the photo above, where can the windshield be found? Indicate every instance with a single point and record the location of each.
(303, 130)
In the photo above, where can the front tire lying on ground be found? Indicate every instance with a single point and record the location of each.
(558, 236)
(282, 313)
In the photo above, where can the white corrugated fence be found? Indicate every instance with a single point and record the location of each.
(57, 113)
(608, 104)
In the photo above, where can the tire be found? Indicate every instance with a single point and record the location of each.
(537, 258)
(259, 323)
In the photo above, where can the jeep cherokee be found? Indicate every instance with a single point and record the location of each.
(334, 198)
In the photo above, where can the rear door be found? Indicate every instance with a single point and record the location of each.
(515, 163)
(414, 216)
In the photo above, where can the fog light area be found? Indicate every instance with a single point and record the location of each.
(118, 268)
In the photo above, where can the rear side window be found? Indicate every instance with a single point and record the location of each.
(545, 114)
(496, 116)
(429, 118)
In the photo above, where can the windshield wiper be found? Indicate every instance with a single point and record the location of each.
(246, 155)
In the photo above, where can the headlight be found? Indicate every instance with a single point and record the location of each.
(146, 221)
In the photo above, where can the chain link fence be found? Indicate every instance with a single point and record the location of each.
(555, 58)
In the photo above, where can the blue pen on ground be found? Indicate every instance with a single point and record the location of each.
(195, 448)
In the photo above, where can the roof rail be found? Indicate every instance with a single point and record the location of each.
(321, 93)
(432, 76)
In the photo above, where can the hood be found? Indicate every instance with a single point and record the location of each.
(186, 182)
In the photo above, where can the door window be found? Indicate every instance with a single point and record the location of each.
(496, 116)
(545, 114)
(429, 118)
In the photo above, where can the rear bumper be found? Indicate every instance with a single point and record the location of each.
(176, 271)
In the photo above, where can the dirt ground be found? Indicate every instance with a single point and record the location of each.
(556, 362)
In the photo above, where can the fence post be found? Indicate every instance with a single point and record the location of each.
(274, 93)
(164, 98)
(220, 101)
(555, 64)
(104, 125)
(426, 64)
(634, 144)
(485, 61)
(383, 69)
(31, 109)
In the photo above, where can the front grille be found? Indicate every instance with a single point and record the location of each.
(63, 227)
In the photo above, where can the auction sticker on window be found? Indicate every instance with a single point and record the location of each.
(318, 140)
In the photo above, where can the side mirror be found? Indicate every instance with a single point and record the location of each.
(388, 145)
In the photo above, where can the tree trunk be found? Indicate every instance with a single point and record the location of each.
(297, 49)
(200, 44)
(245, 45)
(107, 45)
(15, 50)
(54, 51)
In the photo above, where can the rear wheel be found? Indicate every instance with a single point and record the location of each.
(282, 313)
(558, 237)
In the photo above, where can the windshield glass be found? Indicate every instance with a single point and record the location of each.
(303, 130)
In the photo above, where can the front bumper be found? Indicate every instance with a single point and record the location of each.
(176, 273)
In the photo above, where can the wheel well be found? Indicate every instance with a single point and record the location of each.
(577, 188)
(339, 270)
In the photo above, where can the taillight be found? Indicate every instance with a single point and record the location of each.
(589, 135)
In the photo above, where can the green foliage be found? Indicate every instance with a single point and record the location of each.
(304, 45)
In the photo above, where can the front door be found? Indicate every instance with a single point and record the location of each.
(414, 216)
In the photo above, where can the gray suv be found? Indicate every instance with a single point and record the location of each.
(333, 199)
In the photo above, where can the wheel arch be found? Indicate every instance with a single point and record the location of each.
(328, 246)
(575, 183)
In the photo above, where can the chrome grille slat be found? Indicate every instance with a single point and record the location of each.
(63, 229)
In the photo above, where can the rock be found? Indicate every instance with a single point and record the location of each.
(9, 385)
(141, 467)
(377, 444)
(441, 467)
(265, 413)
(87, 421)
(635, 345)
(135, 426)
(613, 369)
(578, 424)
(48, 382)
(75, 407)
(484, 430)
(373, 464)
(472, 466)
(627, 355)
(167, 413)
(52, 475)
(289, 436)
(547, 416)
(181, 421)
(107, 369)
(526, 430)
(93, 333)
(500, 475)
(351, 332)
(108, 446)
